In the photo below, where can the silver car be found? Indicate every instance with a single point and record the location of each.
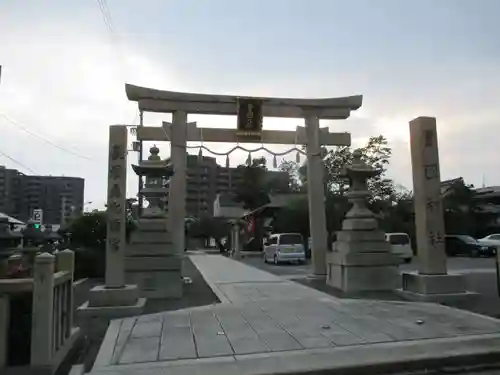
(284, 247)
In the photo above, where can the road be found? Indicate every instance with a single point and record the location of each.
(480, 275)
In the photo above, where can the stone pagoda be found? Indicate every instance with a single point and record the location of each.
(361, 260)
(151, 260)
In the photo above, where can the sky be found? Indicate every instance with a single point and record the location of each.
(64, 66)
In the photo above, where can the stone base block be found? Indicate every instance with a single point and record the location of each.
(111, 312)
(362, 247)
(466, 296)
(154, 213)
(152, 224)
(95, 320)
(434, 288)
(355, 259)
(157, 284)
(153, 263)
(101, 296)
(134, 249)
(354, 279)
(363, 235)
(363, 272)
(368, 224)
(433, 284)
(150, 237)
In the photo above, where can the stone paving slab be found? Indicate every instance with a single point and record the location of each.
(236, 283)
(269, 325)
(275, 326)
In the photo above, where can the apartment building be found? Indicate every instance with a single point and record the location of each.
(58, 196)
(205, 179)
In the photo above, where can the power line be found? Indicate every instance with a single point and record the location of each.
(106, 14)
(17, 162)
(108, 21)
(43, 139)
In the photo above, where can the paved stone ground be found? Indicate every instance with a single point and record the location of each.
(198, 293)
(479, 273)
(269, 325)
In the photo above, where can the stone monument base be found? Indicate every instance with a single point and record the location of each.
(434, 288)
(151, 261)
(363, 272)
(106, 304)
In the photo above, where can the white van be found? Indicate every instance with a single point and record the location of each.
(284, 247)
(400, 245)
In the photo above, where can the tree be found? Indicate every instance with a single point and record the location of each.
(462, 213)
(398, 215)
(293, 218)
(253, 190)
(291, 168)
(210, 227)
(376, 153)
(89, 230)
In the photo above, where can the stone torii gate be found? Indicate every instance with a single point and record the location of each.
(250, 112)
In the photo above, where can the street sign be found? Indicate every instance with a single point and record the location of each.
(37, 216)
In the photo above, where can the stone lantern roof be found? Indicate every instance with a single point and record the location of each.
(154, 167)
(358, 167)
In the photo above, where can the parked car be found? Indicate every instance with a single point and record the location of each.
(458, 244)
(491, 240)
(284, 247)
(400, 245)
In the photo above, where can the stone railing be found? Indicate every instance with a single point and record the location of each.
(51, 331)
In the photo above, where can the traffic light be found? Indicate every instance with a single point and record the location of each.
(37, 226)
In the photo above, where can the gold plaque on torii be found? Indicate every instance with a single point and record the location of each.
(250, 119)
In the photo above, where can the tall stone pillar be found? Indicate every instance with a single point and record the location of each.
(115, 299)
(177, 191)
(316, 196)
(432, 282)
(429, 219)
(116, 213)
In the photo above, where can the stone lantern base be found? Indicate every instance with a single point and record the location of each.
(361, 262)
(152, 262)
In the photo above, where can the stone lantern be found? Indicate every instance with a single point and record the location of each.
(157, 172)
(8, 239)
(361, 260)
(32, 234)
(151, 260)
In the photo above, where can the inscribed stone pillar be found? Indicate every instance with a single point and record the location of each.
(177, 191)
(427, 196)
(316, 195)
(116, 210)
